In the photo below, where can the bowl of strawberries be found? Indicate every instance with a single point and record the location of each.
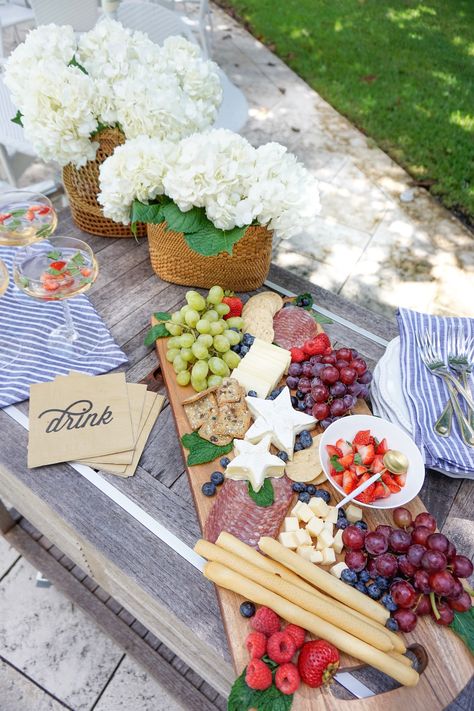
(352, 450)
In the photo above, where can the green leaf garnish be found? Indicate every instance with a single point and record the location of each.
(17, 118)
(335, 463)
(306, 302)
(24, 281)
(201, 450)
(75, 63)
(78, 259)
(44, 231)
(357, 459)
(319, 318)
(162, 316)
(188, 222)
(155, 332)
(243, 698)
(210, 241)
(55, 255)
(463, 626)
(265, 496)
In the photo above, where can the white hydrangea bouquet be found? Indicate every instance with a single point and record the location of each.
(211, 195)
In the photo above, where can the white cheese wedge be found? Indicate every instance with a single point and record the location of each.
(337, 569)
(353, 513)
(302, 512)
(319, 507)
(252, 382)
(325, 539)
(332, 515)
(303, 537)
(329, 557)
(316, 557)
(271, 350)
(315, 526)
(288, 539)
(291, 523)
(337, 543)
(305, 551)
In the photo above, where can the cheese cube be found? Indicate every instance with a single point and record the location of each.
(319, 507)
(332, 515)
(328, 526)
(320, 544)
(291, 523)
(325, 538)
(329, 556)
(316, 557)
(303, 537)
(315, 526)
(337, 569)
(305, 551)
(302, 512)
(288, 539)
(337, 543)
(353, 513)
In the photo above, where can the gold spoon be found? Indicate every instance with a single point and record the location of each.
(396, 462)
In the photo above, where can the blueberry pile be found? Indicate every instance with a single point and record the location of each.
(307, 491)
(375, 588)
(303, 441)
(216, 479)
(243, 347)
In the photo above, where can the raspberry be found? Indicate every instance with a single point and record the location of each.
(319, 345)
(298, 634)
(287, 678)
(266, 621)
(258, 676)
(297, 355)
(281, 647)
(256, 644)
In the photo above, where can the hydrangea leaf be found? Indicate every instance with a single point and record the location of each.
(188, 222)
(211, 241)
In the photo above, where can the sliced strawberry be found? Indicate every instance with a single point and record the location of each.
(360, 470)
(347, 460)
(377, 465)
(391, 483)
(362, 437)
(379, 490)
(382, 447)
(57, 265)
(337, 476)
(333, 451)
(400, 479)
(367, 453)
(344, 446)
(367, 496)
(349, 481)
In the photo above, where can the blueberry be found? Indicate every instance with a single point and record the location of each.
(252, 393)
(364, 576)
(298, 486)
(243, 349)
(235, 348)
(302, 407)
(388, 603)
(382, 582)
(311, 489)
(305, 301)
(283, 456)
(323, 494)
(341, 513)
(306, 439)
(274, 393)
(294, 401)
(224, 462)
(248, 339)
(234, 328)
(362, 525)
(392, 624)
(298, 447)
(208, 489)
(299, 395)
(374, 591)
(349, 576)
(217, 478)
(342, 523)
(361, 588)
(247, 609)
(304, 497)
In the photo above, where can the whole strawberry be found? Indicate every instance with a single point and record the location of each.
(256, 644)
(318, 662)
(281, 647)
(258, 676)
(319, 345)
(266, 621)
(298, 634)
(287, 678)
(235, 305)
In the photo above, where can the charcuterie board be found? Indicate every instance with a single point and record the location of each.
(449, 666)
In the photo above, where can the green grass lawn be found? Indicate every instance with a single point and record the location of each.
(400, 70)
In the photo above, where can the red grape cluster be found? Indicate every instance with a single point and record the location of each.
(327, 386)
(412, 570)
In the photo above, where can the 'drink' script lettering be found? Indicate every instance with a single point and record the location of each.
(79, 414)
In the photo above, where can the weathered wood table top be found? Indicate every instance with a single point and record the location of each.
(155, 583)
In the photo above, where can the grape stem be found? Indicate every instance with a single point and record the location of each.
(433, 606)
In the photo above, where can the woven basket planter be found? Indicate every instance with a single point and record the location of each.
(82, 187)
(246, 269)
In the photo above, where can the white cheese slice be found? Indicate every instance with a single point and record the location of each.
(319, 507)
(337, 543)
(305, 551)
(316, 557)
(353, 513)
(291, 523)
(251, 382)
(288, 539)
(337, 569)
(315, 526)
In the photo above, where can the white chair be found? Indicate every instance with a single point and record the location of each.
(80, 14)
(159, 23)
(11, 16)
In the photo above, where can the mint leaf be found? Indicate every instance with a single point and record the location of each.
(191, 221)
(357, 459)
(141, 212)
(243, 698)
(265, 497)
(319, 318)
(17, 118)
(335, 463)
(210, 241)
(463, 626)
(155, 332)
(201, 450)
(55, 255)
(306, 302)
(162, 316)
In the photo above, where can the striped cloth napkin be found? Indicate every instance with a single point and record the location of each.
(28, 321)
(426, 394)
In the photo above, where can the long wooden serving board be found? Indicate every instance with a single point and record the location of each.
(449, 665)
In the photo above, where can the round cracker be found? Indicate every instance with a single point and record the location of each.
(306, 464)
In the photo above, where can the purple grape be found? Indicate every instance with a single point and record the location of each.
(355, 354)
(316, 381)
(349, 401)
(337, 407)
(304, 385)
(308, 401)
(338, 389)
(325, 423)
(365, 378)
(364, 392)
(295, 369)
(292, 382)
(354, 389)
(307, 369)
(317, 368)
(315, 359)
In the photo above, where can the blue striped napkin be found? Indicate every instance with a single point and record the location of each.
(426, 395)
(26, 320)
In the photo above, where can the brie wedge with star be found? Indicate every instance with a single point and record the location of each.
(254, 462)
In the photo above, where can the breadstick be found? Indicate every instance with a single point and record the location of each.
(234, 545)
(323, 580)
(401, 658)
(229, 579)
(308, 601)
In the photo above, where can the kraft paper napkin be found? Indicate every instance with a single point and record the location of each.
(79, 417)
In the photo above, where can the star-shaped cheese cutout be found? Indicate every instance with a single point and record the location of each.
(254, 462)
(279, 419)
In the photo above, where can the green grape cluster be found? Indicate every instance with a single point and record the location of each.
(201, 340)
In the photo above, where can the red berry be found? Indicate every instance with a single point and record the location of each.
(256, 644)
(266, 621)
(235, 305)
(281, 647)
(258, 676)
(363, 437)
(287, 678)
(297, 355)
(298, 634)
(318, 662)
(57, 265)
(317, 345)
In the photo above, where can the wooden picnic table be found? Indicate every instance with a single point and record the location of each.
(164, 591)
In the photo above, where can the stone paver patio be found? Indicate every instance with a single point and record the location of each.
(367, 245)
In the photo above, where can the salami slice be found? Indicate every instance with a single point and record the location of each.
(293, 326)
(235, 512)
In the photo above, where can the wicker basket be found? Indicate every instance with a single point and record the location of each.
(82, 186)
(245, 270)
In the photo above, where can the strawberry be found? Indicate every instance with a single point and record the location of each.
(391, 483)
(377, 465)
(86, 272)
(363, 437)
(337, 476)
(317, 345)
(258, 676)
(367, 453)
(400, 479)
(333, 451)
(266, 621)
(5, 216)
(379, 491)
(382, 447)
(50, 284)
(43, 210)
(256, 644)
(281, 647)
(318, 662)
(298, 634)
(346, 461)
(287, 678)
(349, 481)
(344, 446)
(367, 496)
(297, 355)
(360, 470)
(235, 304)
(57, 265)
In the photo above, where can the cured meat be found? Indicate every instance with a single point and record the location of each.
(235, 512)
(293, 326)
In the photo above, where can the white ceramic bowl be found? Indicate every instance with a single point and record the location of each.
(347, 427)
